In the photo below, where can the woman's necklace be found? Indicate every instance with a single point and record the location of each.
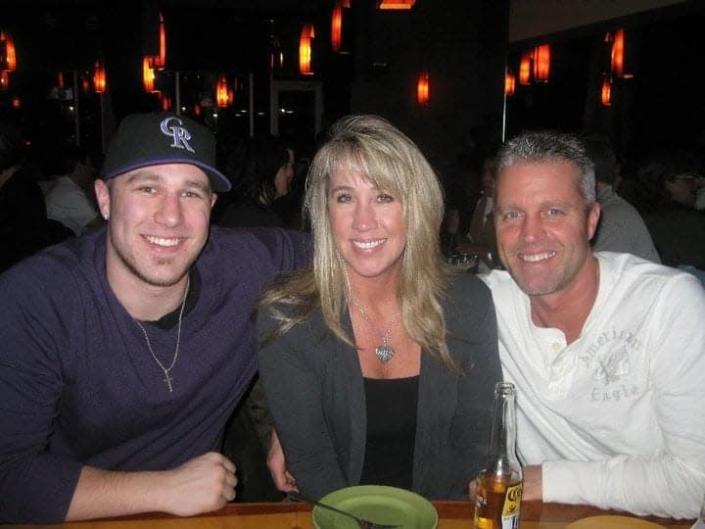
(167, 378)
(384, 351)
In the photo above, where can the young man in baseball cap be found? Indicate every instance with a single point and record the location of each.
(123, 352)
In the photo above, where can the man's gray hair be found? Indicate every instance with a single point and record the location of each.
(547, 146)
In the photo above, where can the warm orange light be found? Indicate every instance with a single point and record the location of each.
(8, 55)
(336, 27)
(165, 102)
(542, 63)
(305, 53)
(148, 73)
(160, 60)
(396, 4)
(221, 92)
(606, 92)
(85, 84)
(16, 102)
(525, 69)
(618, 53)
(99, 78)
(60, 80)
(510, 83)
(423, 89)
(4, 80)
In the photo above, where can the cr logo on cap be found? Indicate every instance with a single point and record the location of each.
(179, 134)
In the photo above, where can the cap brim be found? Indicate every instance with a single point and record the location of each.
(219, 182)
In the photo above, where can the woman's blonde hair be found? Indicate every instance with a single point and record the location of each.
(372, 146)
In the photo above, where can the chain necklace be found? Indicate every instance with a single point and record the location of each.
(167, 378)
(384, 351)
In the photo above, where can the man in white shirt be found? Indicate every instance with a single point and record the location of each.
(607, 350)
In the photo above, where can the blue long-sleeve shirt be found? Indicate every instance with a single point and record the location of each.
(78, 385)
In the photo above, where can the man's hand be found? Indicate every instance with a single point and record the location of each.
(533, 484)
(203, 484)
(283, 480)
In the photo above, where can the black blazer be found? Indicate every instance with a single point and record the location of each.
(316, 394)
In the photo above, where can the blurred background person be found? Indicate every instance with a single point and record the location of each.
(378, 365)
(479, 240)
(621, 228)
(481, 233)
(69, 195)
(700, 194)
(665, 192)
(455, 220)
(262, 170)
(24, 227)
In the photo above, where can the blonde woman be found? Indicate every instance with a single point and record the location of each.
(378, 365)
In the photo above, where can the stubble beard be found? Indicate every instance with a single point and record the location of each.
(153, 280)
(549, 284)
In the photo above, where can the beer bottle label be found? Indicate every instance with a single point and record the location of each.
(510, 508)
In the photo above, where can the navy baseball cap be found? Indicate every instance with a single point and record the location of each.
(143, 140)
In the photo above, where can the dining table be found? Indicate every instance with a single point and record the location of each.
(292, 515)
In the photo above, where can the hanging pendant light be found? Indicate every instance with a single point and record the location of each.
(423, 89)
(99, 78)
(148, 75)
(160, 60)
(510, 83)
(164, 102)
(397, 5)
(336, 28)
(231, 93)
(8, 54)
(305, 52)
(221, 91)
(336, 25)
(542, 63)
(4, 80)
(606, 92)
(85, 83)
(525, 68)
(617, 55)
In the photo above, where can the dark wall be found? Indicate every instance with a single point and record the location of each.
(661, 105)
(461, 44)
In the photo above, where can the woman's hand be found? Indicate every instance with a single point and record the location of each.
(276, 463)
(472, 489)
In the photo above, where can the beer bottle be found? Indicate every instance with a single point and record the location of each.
(498, 494)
